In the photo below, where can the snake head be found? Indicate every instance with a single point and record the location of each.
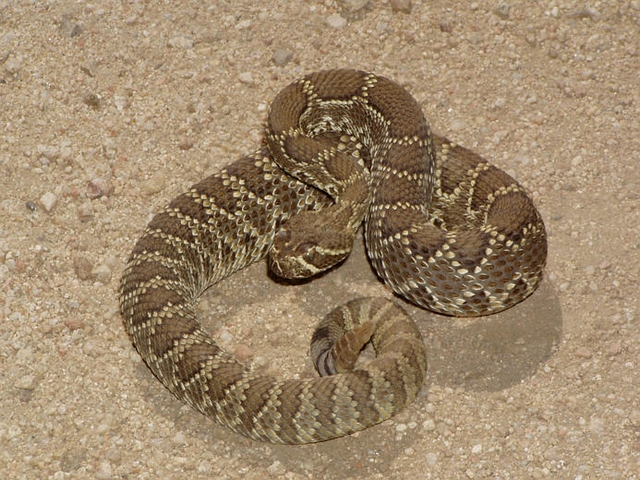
(303, 250)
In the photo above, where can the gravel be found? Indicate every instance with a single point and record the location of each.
(109, 111)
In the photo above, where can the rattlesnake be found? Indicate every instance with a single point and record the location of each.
(443, 228)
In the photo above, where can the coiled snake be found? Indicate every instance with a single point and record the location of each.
(443, 228)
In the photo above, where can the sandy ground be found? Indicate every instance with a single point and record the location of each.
(109, 111)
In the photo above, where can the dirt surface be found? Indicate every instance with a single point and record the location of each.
(109, 110)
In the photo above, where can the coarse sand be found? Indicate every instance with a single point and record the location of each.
(110, 109)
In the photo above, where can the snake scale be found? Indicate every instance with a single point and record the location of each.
(443, 228)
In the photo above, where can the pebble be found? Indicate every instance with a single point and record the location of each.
(102, 274)
(181, 41)
(458, 125)
(243, 352)
(92, 100)
(82, 267)
(154, 184)
(99, 187)
(50, 152)
(246, 78)
(179, 438)
(70, 28)
(353, 6)
(26, 382)
(276, 469)
(186, 143)
(225, 336)
(596, 425)
(73, 324)
(429, 425)
(336, 21)
(85, 211)
(403, 6)
(614, 349)
(104, 471)
(502, 10)
(431, 458)
(49, 201)
(583, 352)
(281, 57)
(13, 65)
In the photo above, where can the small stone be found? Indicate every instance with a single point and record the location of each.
(104, 471)
(186, 143)
(281, 57)
(99, 187)
(26, 382)
(276, 469)
(457, 125)
(225, 336)
(431, 458)
(50, 152)
(85, 212)
(102, 274)
(24, 356)
(353, 5)
(49, 201)
(70, 28)
(583, 352)
(336, 21)
(403, 6)
(13, 65)
(181, 41)
(502, 10)
(243, 352)
(179, 438)
(92, 100)
(74, 324)
(246, 78)
(476, 449)
(25, 385)
(429, 425)
(614, 349)
(82, 267)
(596, 425)
(154, 184)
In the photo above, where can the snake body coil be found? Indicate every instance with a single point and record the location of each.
(443, 228)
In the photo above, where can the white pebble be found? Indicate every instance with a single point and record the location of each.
(179, 438)
(102, 274)
(276, 469)
(153, 185)
(49, 201)
(181, 41)
(246, 78)
(225, 336)
(429, 425)
(104, 471)
(336, 21)
(13, 65)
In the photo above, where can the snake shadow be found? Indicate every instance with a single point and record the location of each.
(496, 352)
(488, 353)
